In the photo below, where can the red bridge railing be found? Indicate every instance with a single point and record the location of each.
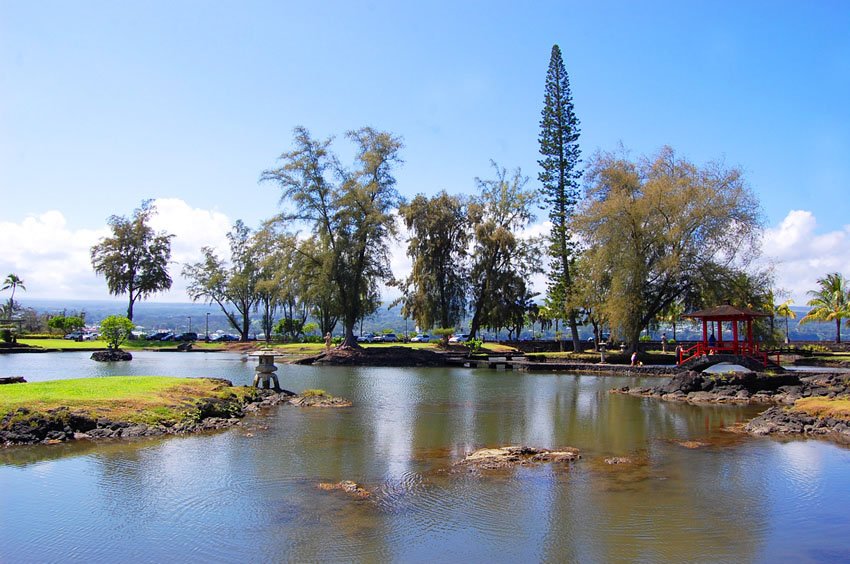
(704, 349)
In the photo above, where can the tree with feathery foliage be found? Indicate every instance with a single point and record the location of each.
(135, 259)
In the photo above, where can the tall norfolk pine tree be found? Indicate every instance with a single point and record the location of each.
(559, 132)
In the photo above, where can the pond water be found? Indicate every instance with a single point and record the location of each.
(250, 493)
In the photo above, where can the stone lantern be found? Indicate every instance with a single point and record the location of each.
(265, 371)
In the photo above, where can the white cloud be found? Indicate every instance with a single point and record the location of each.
(52, 257)
(802, 255)
(193, 228)
(400, 264)
(539, 281)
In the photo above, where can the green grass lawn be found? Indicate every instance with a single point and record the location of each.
(315, 348)
(127, 398)
(65, 344)
(284, 348)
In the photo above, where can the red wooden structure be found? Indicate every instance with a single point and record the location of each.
(742, 343)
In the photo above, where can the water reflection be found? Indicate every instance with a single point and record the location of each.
(251, 492)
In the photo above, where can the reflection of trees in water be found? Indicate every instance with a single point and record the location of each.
(671, 503)
(235, 495)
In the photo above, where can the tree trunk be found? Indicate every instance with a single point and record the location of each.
(130, 309)
(634, 341)
(595, 334)
(246, 327)
(350, 340)
(838, 330)
(476, 321)
(574, 331)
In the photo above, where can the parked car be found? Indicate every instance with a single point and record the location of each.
(367, 338)
(389, 338)
(189, 336)
(168, 337)
(75, 336)
(156, 335)
(459, 338)
(424, 338)
(224, 338)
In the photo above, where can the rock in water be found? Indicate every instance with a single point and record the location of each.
(111, 355)
(347, 486)
(512, 456)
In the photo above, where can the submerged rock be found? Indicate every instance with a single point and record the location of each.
(691, 444)
(318, 400)
(347, 486)
(618, 460)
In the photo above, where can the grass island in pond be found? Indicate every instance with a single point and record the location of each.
(141, 399)
(118, 406)
(134, 406)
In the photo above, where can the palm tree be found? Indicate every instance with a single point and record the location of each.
(14, 282)
(830, 303)
(784, 310)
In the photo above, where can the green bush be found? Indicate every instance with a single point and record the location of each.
(115, 329)
(444, 334)
(6, 335)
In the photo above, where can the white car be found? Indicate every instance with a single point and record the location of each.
(459, 338)
(425, 338)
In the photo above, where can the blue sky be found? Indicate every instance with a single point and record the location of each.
(103, 104)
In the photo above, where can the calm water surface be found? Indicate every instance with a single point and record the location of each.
(250, 493)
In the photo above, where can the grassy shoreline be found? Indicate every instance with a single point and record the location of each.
(152, 400)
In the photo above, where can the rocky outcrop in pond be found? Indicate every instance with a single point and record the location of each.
(513, 456)
(111, 355)
(783, 421)
(781, 391)
(743, 388)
